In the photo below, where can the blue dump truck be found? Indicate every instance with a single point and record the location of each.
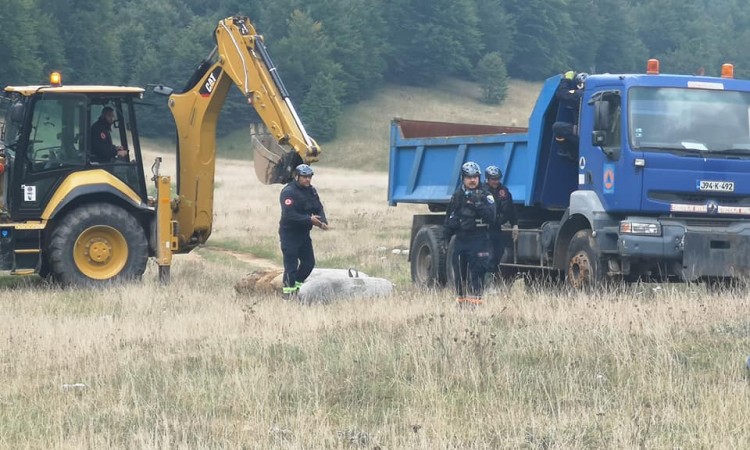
(659, 188)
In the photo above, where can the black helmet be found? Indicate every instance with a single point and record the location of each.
(581, 77)
(470, 169)
(493, 172)
(303, 170)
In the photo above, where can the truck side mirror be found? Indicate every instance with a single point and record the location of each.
(601, 115)
(163, 90)
(606, 133)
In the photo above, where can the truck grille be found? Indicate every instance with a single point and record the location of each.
(699, 198)
(707, 223)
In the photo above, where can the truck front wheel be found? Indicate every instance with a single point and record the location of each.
(585, 266)
(428, 257)
(97, 243)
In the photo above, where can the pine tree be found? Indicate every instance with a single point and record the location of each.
(493, 78)
(274, 18)
(497, 28)
(684, 34)
(92, 43)
(544, 31)
(321, 108)
(431, 38)
(587, 34)
(355, 30)
(19, 46)
(620, 50)
(302, 54)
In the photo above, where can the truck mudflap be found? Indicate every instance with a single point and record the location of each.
(712, 255)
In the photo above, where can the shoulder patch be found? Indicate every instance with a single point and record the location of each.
(288, 202)
(102, 135)
(503, 193)
(490, 199)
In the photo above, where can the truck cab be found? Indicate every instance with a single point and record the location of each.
(667, 171)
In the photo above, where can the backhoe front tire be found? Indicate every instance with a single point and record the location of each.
(95, 244)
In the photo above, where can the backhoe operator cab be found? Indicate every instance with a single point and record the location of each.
(48, 136)
(63, 212)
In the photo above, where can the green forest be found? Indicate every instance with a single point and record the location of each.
(336, 52)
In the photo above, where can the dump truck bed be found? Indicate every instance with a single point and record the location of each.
(426, 158)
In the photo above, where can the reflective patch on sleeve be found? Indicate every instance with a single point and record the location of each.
(288, 202)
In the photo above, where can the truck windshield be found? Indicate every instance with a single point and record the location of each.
(691, 120)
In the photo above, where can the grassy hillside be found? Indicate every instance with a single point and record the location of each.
(364, 128)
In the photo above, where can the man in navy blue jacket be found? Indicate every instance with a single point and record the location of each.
(301, 210)
(470, 213)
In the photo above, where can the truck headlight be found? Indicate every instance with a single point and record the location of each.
(640, 228)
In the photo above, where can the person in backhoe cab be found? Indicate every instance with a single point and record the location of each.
(505, 213)
(102, 149)
(301, 210)
(470, 213)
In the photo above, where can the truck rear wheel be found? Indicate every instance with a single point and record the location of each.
(97, 243)
(428, 257)
(585, 267)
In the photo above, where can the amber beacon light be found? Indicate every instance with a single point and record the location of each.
(727, 71)
(55, 79)
(652, 67)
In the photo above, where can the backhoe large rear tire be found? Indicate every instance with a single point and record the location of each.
(428, 261)
(96, 244)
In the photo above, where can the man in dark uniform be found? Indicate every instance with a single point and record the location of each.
(301, 209)
(505, 212)
(470, 212)
(102, 149)
(569, 94)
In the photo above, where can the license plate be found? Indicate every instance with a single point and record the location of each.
(716, 186)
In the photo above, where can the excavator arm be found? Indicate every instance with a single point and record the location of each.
(240, 58)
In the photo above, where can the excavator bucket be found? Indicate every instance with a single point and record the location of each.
(273, 163)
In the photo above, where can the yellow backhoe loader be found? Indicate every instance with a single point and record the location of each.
(67, 214)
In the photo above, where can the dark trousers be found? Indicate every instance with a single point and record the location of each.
(565, 131)
(471, 257)
(299, 258)
(499, 244)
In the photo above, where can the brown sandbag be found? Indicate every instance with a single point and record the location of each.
(266, 281)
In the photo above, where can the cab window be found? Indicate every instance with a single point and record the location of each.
(56, 138)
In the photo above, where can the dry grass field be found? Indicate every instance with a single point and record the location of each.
(194, 365)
